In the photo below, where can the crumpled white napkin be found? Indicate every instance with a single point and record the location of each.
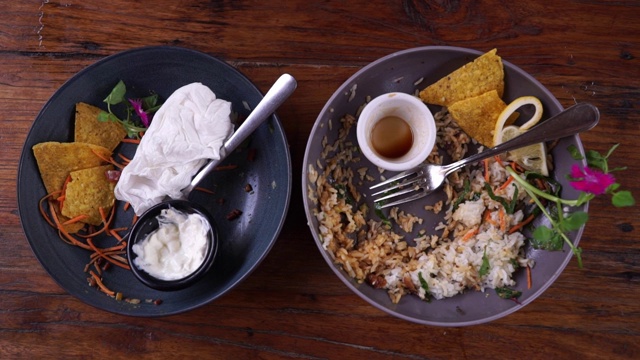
(188, 130)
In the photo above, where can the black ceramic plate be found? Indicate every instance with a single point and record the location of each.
(244, 242)
(407, 71)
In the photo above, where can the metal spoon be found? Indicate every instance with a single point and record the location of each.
(278, 93)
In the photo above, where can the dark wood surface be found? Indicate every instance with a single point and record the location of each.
(293, 306)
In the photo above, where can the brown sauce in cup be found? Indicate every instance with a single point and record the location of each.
(391, 137)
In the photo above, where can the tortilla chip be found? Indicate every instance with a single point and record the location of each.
(477, 116)
(475, 78)
(88, 129)
(56, 160)
(88, 191)
(70, 228)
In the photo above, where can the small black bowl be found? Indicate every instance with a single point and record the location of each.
(148, 222)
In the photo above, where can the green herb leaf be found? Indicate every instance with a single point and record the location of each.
(117, 94)
(484, 269)
(574, 221)
(150, 103)
(622, 199)
(424, 285)
(463, 195)
(378, 211)
(546, 239)
(104, 116)
(583, 198)
(575, 152)
(509, 206)
(507, 293)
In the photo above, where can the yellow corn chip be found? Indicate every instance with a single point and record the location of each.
(88, 129)
(88, 191)
(477, 116)
(475, 78)
(56, 160)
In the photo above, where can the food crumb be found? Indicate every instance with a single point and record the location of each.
(234, 214)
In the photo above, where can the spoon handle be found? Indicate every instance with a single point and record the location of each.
(279, 92)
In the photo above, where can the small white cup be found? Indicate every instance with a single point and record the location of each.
(410, 109)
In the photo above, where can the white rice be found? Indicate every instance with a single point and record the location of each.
(448, 258)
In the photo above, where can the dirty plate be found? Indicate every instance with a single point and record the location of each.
(407, 71)
(244, 242)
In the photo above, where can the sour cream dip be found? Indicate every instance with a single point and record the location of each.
(177, 248)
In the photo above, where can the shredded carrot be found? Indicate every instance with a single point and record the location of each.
(116, 235)
(64, 232)
(135, 218)
(488, 218)
(75, 219)
(107, 160)
(126, 206)
(63, 192)
(100, 284)
(503, 220)
(506, 183)
(486, 170)
(131, 141)
(106, 257)
(498, 160)
(204, 190)
(104, 220)
(43, 212)
(126, 159)
(529, 281)
(471, 233)
(521, 224)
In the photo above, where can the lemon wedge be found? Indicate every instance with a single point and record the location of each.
(533, 157)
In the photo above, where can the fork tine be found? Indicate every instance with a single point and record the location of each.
(396, 194)
(399, 176)
(415, 196)
(399, 185)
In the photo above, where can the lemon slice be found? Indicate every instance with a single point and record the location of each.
(533, 157)
(510, 109)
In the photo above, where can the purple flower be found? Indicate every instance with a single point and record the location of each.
(137, 106)
(590, 180)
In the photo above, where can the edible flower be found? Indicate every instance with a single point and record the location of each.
(137, 107)
(143, 108)
(590, 180)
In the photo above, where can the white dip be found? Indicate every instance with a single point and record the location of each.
(189, 128)
(176, 249)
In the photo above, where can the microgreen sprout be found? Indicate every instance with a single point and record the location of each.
(143, 108)
(591, 180)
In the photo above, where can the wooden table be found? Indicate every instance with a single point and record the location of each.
(293, 306)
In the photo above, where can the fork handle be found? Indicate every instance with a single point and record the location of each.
(577, 118)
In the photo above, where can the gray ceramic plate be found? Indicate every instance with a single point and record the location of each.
(244, 242)
(400, 72)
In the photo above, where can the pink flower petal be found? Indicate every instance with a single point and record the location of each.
(590, 180)
(137, 106)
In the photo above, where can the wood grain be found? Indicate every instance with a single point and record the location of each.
(293, 306)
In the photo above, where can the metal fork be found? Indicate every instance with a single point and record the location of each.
(424, 179)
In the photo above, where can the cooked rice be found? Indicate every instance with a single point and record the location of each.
(448, 258)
